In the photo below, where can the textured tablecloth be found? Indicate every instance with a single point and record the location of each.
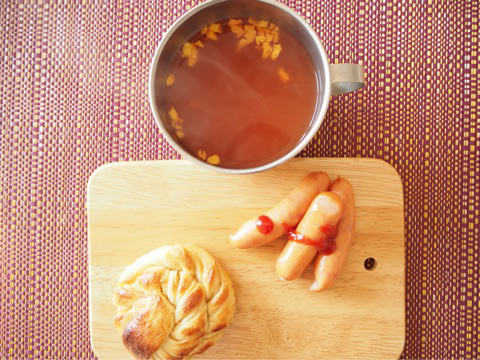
(73, 80)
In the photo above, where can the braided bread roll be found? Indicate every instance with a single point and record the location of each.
(173, 302)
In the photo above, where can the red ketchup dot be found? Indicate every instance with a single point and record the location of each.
(330, 231)
(264, 224)
(327, 246)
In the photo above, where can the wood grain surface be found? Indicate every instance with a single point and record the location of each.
(135, 207)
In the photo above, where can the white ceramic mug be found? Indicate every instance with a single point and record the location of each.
(332, 79)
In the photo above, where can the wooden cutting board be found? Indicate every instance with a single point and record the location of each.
(135, 207)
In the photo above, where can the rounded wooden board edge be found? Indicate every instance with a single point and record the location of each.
(397, 175)
(112, 166)
(93, 177)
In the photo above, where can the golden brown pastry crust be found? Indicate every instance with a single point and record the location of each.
(173, 302)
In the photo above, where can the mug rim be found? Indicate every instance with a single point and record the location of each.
(320, 108)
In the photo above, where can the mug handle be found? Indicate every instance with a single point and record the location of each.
(346, 78)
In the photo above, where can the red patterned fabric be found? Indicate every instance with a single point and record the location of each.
(74, 96)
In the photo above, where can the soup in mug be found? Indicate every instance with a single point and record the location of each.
(240, 93)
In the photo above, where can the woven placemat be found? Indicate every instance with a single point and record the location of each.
(74, 96)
